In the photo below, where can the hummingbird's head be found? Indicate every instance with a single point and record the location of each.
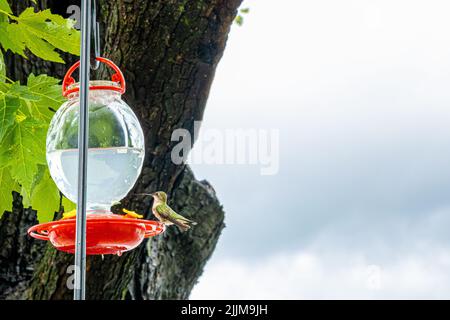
(160, 196)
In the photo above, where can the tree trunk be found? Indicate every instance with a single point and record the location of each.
(168, 51)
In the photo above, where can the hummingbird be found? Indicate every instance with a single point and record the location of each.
(166, 214)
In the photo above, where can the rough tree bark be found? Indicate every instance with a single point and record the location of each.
(169, 50)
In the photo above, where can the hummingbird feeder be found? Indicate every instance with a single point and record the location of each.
(115, 156)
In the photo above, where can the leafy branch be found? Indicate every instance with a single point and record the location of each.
(239, 20)
(41, 32)
(26, 110)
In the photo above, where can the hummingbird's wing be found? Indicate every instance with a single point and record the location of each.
(177, 216)
(169, 214)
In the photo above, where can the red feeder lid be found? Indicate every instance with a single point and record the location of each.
(106, 233)
(117, 77)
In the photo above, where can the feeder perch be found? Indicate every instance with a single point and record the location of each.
(105, 233)
(115, 157)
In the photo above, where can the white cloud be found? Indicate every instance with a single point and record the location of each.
(312, 275)
(359, 92)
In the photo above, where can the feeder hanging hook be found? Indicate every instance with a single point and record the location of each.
(95, 64)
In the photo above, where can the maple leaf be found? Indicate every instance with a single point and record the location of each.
(41, 32)
(27, 150)
(7, 186)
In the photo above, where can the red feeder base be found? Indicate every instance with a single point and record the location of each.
(106, 233)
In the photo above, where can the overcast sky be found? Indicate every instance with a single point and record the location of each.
(360, 208)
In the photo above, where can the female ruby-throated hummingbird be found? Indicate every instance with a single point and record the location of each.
(166, 214)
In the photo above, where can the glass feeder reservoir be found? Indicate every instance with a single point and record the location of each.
(115, 158)
(115, 148)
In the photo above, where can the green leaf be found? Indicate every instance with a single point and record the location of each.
(24, 129)
(26, 194)
(59, 32)
(26, 199)
(45, 198)
(10, 41)
(7, 186)
(4, 6)
(28, 151)
(22, 92)
(49, 92)
(239, 20)
(5, 149)
(2, 67)
(40, 98)
(68, 205)
(26, 110)
(8, 108)
(37, 46)
(41, 32)
(245, 10)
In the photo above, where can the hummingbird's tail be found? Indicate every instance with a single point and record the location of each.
(191, 222)
(183, 227)
(184, 224)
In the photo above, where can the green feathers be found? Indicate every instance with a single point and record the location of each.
(167, 215)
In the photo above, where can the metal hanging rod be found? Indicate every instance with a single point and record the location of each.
(83, 135)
